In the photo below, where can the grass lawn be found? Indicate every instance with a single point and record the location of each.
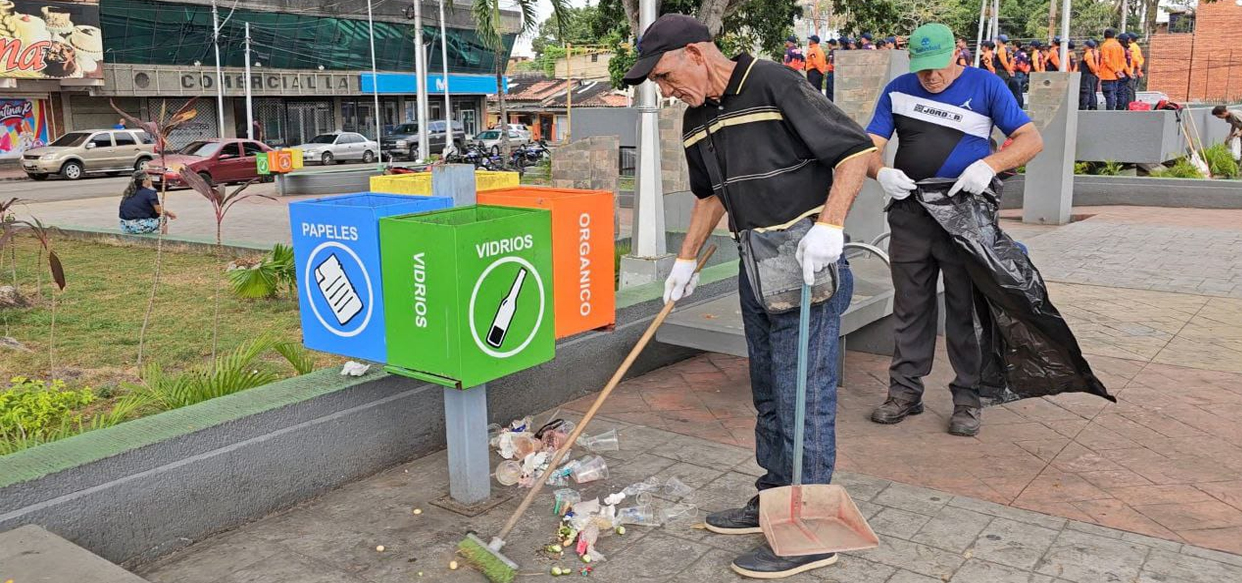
(99, 315)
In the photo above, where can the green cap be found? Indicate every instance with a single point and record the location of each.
(931, 47)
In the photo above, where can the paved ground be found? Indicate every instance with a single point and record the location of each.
(927, 536)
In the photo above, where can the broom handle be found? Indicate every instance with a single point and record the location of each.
(599, 401)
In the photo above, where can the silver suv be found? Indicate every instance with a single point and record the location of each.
(78, 153)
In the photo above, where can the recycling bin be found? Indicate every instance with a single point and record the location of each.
(419, 183)
(468, 292)
(583, 246)
(336, 246)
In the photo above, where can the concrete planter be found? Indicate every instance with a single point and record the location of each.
(1141, 191)
(142, 489)
(333, 181)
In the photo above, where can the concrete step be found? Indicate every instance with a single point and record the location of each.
(31, 554)
(716, 325)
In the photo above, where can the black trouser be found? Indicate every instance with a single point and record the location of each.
(816, 79)
(828, 85)
(1016, 88)
(1086, 92)
(920, 251)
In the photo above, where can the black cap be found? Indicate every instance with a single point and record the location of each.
(1091, 43)
(833, 41)
(1109, 33)
(866, 35)
(813, 38)
(791, 39)
(668, 33)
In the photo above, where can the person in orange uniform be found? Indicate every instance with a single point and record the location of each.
(1053, 59)
(1113, 70)
(1090, 77)
(831, 59)
(1038, 57)
(1136, 63)
(1004, 67)
(816, 63)
(1072, 67)
(794, 59)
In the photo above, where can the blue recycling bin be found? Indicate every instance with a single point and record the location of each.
(337, 250)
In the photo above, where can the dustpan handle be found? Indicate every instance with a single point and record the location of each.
(804, 326)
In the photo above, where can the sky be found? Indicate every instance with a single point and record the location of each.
(522, 48)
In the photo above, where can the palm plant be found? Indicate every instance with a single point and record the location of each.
(491, 31)
(263, 279)
(221, 201)
(160, 130)
(232, 373)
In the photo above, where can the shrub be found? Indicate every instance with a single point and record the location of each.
(31, 408)
(1181, 168)
(1220, 160)
(264, 279)
(1109, 168)
(231, 373)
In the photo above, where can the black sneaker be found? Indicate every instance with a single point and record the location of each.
(744, 520)
(762, 563)
(894, 410)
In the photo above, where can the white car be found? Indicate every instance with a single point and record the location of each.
(329, 148)
(490, 140)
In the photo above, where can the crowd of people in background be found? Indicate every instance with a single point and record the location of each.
(1112, 67)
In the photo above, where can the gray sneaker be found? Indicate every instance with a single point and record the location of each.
(744, 520)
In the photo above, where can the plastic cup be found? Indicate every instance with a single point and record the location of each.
(565, 499)
(675, 489)
(590, 470)
(508, 473)
(642, 515)
(606, 441)
(678, 513)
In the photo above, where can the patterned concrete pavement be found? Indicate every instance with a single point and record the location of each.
(927, 536)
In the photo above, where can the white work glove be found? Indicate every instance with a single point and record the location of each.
(681, 280)
(975, 179)
(819, 248)
(895, 183)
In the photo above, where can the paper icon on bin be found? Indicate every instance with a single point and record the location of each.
(338, 290)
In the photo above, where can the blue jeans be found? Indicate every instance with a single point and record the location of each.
(1110, 94)
(772, 341)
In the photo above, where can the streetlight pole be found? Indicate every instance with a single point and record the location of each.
(420, 71)
(215, 25)
(649, 260)
(379, 133)
(249, 103)
(983, 14)
(448, 102)
(1065, 22)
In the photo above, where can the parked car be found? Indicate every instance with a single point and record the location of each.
(521, 129)
(218, 161)
(79, 153)
(402, 142)
(328, 148)
(489, 140)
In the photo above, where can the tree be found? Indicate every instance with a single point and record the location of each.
(491, 31)
(739, 25)
(578, 29)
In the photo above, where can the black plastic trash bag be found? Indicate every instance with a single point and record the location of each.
(1033, 351)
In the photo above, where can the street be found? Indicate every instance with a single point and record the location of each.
(56, 189)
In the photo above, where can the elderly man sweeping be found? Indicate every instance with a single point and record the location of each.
(783, 161)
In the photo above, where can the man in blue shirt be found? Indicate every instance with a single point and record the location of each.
(943, 115)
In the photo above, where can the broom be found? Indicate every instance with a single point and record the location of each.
(487, 556)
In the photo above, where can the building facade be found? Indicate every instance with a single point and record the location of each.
(310, 66)
(1196, 58)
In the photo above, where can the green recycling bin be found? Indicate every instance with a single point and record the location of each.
(470, 294)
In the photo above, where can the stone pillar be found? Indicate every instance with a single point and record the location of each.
(859, 80)
(1048, 197)
(672, 153)
(590, 164)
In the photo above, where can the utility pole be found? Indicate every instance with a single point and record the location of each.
(1065, 22)
(1052, 23)
(996, 18)
(649, 260)
(448, 102)
(249, 103)
(1125, 14)
(420, 71)
(983, 15)
(215, 25)
(379, 132)
(569, 92)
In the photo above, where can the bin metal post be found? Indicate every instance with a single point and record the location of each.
(465, 411)
(465, 426)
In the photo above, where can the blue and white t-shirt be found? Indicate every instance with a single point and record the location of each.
(940, 134)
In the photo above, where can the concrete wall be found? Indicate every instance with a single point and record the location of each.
(589, 163)
(157, 484)
(1135, 191)
(621, 122)
(1143, 137)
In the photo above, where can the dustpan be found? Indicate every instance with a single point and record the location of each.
(815, 518)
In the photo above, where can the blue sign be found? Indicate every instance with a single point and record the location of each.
(337, 251)
(407, 84)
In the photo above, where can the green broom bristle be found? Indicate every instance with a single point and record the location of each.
(487, 561)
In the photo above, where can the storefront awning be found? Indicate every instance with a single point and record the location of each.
(407, 84)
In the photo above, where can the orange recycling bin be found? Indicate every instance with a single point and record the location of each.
(584, 293)
(281, 161)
